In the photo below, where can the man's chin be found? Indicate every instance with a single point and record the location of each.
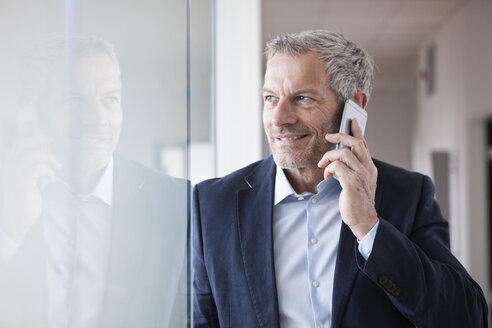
(286, 162)
(80, 164)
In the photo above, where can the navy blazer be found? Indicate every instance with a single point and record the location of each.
(410, 279)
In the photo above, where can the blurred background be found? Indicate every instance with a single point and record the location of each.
(192, 73)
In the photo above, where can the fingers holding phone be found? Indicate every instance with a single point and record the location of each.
(352, 112)
(25, 171)
(352, 164)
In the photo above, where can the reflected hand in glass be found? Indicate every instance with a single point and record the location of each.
(26, 170)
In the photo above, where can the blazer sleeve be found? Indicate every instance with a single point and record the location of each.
(417, 271)
(204, 308)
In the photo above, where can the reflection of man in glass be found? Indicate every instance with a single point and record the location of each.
(83, 238)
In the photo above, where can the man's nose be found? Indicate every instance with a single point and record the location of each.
(284, 113)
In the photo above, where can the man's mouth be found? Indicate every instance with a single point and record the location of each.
(288, 138)
(89, 138)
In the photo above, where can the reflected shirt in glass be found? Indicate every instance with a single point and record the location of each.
(78, 234)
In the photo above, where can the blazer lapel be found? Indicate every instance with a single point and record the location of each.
(255, 213)
(148, 247)
(127, 247)
(345, 273)
(346, 269)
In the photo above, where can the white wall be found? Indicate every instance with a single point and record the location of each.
(238, 54)
(391, 113)
(453, 119)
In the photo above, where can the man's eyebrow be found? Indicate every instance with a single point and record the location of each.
(311, 91)
(266, 90)
(297, 92)
(81, 95)
(112, 91)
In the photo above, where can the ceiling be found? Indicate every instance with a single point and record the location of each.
(391, 30)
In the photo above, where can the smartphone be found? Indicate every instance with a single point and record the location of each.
(351, 111)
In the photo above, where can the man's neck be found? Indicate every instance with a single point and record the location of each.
(83, 181)
(304, 179)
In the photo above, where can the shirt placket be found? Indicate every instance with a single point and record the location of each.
(62, 240)
(312, 241)
(314, 264)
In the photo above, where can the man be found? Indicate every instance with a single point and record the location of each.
(87, 237)
(319, 237)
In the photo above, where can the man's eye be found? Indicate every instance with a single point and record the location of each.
(302, 98)
(110, 100)
(269, 98)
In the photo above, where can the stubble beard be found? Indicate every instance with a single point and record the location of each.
(313, 153)
(307, 157)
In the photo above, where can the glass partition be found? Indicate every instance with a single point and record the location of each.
(202, 88)
(95, 132)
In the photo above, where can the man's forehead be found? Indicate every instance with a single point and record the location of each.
(93, 74)
(91, 90)
(297, 72)
(88, 89)
(309, 63)
(310, 56)
(95, 65)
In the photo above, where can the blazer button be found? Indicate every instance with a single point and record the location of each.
(389, 285)
(385, 282)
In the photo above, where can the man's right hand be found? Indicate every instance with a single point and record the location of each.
(25, 171)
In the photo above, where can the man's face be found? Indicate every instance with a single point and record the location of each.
(84, 112)
(299, 109)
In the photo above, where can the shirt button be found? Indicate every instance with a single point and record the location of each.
(313, 200)
(314, 240)
(300, 198)
(316, 284)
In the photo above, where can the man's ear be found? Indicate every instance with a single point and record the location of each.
(360, 98)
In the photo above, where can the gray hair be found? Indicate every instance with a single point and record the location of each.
(350, 68)
(56, 52)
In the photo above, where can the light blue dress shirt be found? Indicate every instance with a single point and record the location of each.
(78, 235)
(306, 232)
(77, 230)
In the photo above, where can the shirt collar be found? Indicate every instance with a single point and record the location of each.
(283, 189)
(282, 186)
(60, 192)
(104, 187)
